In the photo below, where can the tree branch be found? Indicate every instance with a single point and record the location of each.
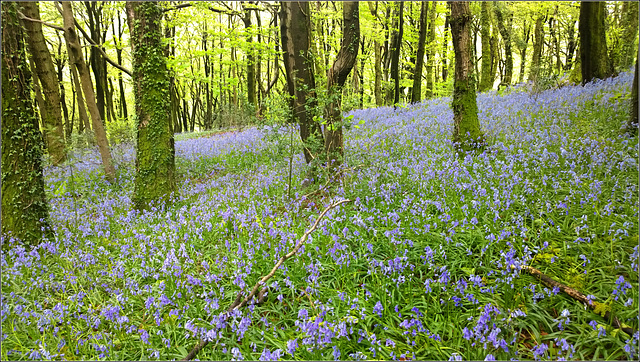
(104, 55)
(23, 17)
(237, 304)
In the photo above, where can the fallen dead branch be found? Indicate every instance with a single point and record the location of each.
(595, 306)
(240, 302)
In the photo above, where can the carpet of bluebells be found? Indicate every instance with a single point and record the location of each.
(424, 264)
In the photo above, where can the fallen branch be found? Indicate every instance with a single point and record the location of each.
(595, 306)
(240, 302)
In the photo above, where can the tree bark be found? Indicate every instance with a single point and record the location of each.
(25, 211)
(632, 124)
(377, 88)
(466, 130)
(538, 40)
(295, 33)
(526, 33)
(97, 62)
(155, 153)
(629, 33)
(337, 75)
(594, 60)
(98, 127)
(505, 33)
(396, 43)
(431, 54)
(416, 89)
(486, 79)
(51, 113)
(251, 64)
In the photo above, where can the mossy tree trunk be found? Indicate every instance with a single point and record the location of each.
(632, 125)
(336, 76)
(466, 130)
(416, 89)
(295, 33)
(594, 60)
(24, 205)
(155, 152)
(630, 33)
(75, 51)
(51, 113)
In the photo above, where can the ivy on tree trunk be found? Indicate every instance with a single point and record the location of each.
(24, 205)
(155, 151)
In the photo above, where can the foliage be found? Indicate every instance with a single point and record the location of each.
(423, 265)
(120, 130)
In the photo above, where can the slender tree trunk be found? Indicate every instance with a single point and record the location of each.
(538, 40)
(571, 45)
(594, 60)
(123, 101)
(295, 30)
(155, 153)
(504, 26)
(486, 79)
(337, 75)
(632, 125)
(523, 49)
(87, 87)
(45, 70)
(68, 122)
(466, 130)
(445, 48)
(416, 89)
(377, 88)
(396, 41)
(251, 64)
(629, 33)
(431, 54)
(25, 212)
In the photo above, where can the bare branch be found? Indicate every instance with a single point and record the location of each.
(53, 26)
(99, 47)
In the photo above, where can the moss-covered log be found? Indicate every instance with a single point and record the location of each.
(155, 152)
(24, 204)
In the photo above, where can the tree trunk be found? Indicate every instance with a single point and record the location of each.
(632, 124)
(98, 64)
(25, 211)
(594, 60)
(571, 45)
(466, 130)
(526, 33)
(538, 40)
(629, 33)
(416, 89)
(505, 33)
(377, 88)
(68, 122)
(295, 32)
(155, 153)
(123, 101)
(431, 54)
(337, 75)
(45, 70)
(445, 48)
(396, 43)
(98, 128)
(486, 79)
(251, 65)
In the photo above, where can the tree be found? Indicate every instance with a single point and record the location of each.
(466, 129)
(396, 42)
(337, 75)
(51, 113)
(486, 79)
(295, 32)
(632, 124)
(630, 33)
(377, 89)
(431, 49)
(505, 33)
(24, 205)
(594, 60)
(155, 152)
(538, 41)
(77, 59)
(416, 90)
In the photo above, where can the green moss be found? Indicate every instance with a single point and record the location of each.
(467, 134)
(155, 154)
(24, 206)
